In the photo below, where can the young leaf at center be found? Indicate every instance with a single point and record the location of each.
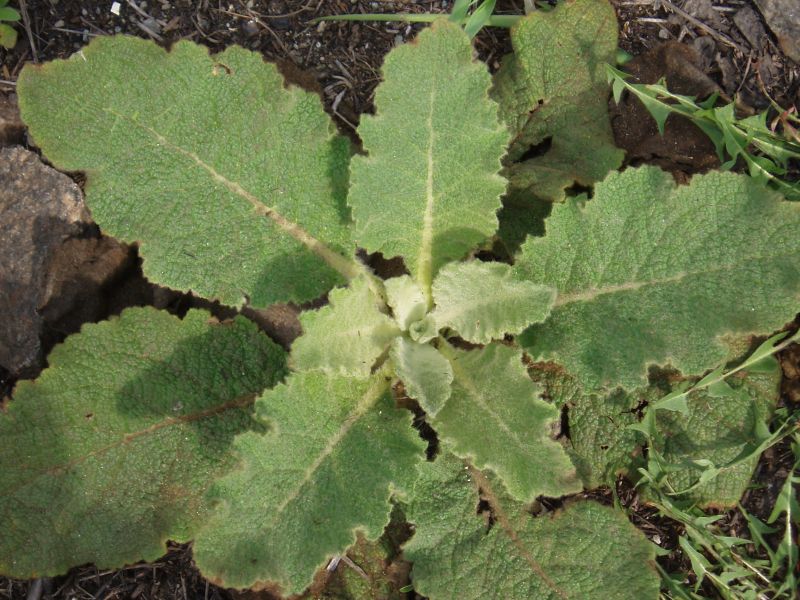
(481, 301)
(428, 190)
(495, 418)
(346, 336)
(426, 374)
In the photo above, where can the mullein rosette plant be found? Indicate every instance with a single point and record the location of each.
(238, 188)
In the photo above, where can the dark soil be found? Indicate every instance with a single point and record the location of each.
(342, 61)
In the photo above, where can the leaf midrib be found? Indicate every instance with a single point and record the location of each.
(485, 487)
(345, 266)
(130, 437)
(472, 390)
(425, 259)
(367, 401)
(592, 293)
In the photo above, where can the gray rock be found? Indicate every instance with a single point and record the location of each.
(747, 21)
(783, 18)
(39, 209)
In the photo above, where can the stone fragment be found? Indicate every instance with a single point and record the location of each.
(12, 131)
(39, 209)
(747, 21)
(783, 18)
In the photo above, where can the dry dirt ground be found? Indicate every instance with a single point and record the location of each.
(730, 43)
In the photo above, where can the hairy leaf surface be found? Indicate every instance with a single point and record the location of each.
(428, 190)
(407, 301)
(481, 301)
(111, 451)
(553, 96)
(495, 417)
(717, 428)
(346, 336)
(232, 185)
(583, 552)
(426, 374)
(600, 443)
(651, 272)
(336, 450)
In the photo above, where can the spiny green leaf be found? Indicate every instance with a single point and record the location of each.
(481, 301)
(651, 272)
(495, 417)
(337, 449)
(428, 190)
(553, 90)
(346, 336)
(111, 451)
(231, 184)
(717, 428)
(426, 374)
(585, 551)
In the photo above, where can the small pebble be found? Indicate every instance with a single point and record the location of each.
(251, 27)
(58, 23)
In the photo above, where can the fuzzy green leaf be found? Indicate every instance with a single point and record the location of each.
(522, 215)
(495, 417)
(337, 449)
(601, 444)
(429, 190)
(553, 91)
(407, 301)
(373, 578)
(232, 184)
(481, 301)
(426, 374)
(345, 337)
(651, 272)
(111, 451)
(424, 330)
(584, 551)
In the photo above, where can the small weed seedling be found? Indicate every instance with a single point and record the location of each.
(733, 570)
(238, 188)
(8, 35)
(752, 139)
(473, 15)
